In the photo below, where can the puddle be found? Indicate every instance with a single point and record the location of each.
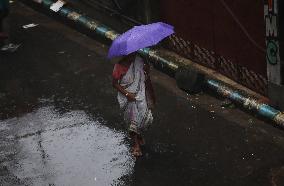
(67, 149)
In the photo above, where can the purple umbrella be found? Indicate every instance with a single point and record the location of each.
(139, 37)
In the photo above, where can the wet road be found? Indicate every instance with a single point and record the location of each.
(60, 122)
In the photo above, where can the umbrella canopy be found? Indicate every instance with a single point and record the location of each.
(139, 37)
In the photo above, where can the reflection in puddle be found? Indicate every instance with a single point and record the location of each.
(68, 149)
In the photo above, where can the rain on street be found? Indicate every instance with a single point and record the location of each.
(61, 123)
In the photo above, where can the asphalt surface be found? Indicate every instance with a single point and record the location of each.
(60, 122)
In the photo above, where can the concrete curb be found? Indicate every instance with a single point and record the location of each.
(168, 66)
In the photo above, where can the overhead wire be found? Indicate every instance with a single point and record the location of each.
(261, 48)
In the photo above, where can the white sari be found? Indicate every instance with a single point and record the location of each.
(137, 112)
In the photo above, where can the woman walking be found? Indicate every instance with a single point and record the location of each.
(131, 77)
(135, 96)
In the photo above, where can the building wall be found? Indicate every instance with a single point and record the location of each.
(231, 28)
(226, 35)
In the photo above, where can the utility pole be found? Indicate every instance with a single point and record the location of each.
(151, 10)
(274, 51)
(147, 11)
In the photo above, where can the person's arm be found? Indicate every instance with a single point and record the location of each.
(118, 87)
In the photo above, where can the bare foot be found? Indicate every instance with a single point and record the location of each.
(136, 151)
